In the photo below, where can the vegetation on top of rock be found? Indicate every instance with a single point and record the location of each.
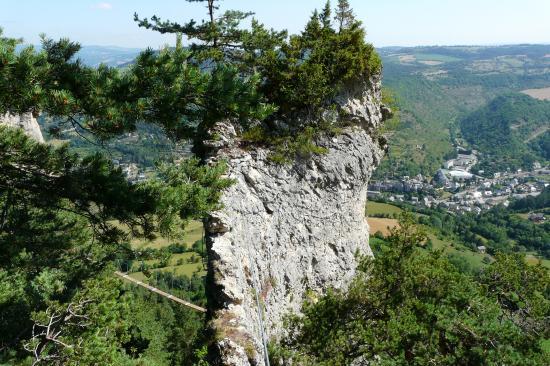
(299, 75)
(300, 72)
(229, 71)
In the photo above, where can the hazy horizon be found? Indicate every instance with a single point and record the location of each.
(378, 47)
(394, 23)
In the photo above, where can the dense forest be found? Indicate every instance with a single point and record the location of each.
(502, 130)
(498, 229)
(67, 220)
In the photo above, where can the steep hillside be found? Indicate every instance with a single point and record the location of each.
(504, 129)
(438, 86)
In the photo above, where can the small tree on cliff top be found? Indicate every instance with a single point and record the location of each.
(344, 15)
(297, 73)
(216, 38)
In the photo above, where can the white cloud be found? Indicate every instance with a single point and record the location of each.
(103, 6)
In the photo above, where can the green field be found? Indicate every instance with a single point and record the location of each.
(184, 258)
(532, 259)
(378, 208)
(182, 270)
(192, 233)
(185, 269)
(474, 258)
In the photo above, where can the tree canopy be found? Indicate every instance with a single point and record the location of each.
(160, 88)
(409, 306)
(297, 73)
(64, 220)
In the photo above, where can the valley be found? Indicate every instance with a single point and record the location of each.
(433, 98)
(226, 193)
(472, 139)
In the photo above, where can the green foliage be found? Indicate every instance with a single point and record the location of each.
(522, 293)
(421, 137)
(187, 191)
(85, 331)
(501, 129)
(213, 40)
(503, 231)
(389, 99)
(499, 229)
(160, 88)
(286, 148)
(344, 15)
(532, 203)
(311, 68)
(162, 331)
(413, 307)
(63, 220)
(541, 145)
(298, 74)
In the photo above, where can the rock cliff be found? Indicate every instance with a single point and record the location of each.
(26, 121)
(287, 232)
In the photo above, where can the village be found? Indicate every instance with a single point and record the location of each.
(455, 188)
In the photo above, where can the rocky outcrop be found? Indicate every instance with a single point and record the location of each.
(26, 121)
(288, 232)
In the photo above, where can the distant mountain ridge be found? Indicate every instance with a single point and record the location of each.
(107, 55)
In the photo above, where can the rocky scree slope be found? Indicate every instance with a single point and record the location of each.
(287, 232)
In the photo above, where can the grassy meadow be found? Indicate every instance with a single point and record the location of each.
(181, 264)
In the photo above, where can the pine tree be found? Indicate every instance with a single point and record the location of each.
(325, 16)
(411, 306)
(344, 15)
(300, 74)
(63, 221)
(214, 39)
(161, 88)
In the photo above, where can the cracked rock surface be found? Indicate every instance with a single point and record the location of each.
(26, 121)
(287, 232)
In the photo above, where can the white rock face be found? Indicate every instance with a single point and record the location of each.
(26, 121)
(287, 231)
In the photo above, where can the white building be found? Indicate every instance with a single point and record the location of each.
(460, 175)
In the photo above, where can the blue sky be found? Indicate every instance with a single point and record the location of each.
(388, 22)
